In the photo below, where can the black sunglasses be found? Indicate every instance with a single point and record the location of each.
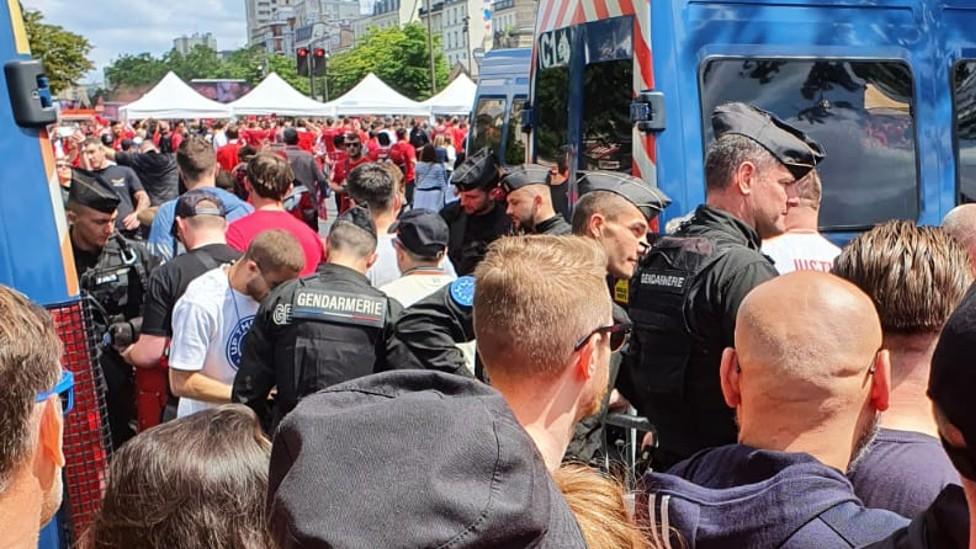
(353, 145)
(619, 333)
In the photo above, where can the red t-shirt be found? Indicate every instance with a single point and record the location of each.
(328, 135)
(255, 137)
(343, 167)
(403, 154)
(241, 232)
(458, 135)
(227, 156)
(306, 141)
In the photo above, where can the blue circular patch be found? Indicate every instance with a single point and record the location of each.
(235, 342)
(462, 291)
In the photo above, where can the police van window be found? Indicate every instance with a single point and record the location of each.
(964, 98)
(489, 117)
(607, 82)
(552, 94)
(860, 111)
(515, 140)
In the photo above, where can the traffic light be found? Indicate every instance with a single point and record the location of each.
(301, 58)
(318, 62)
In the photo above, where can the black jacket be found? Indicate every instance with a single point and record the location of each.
(312, 333)
(464, 250)
(944, 525)
(684, 298)
(555, 226)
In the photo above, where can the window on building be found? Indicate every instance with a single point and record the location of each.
(861, 111)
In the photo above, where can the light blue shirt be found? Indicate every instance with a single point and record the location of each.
(161, 242)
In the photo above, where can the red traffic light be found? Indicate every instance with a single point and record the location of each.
(319, 52)
(302, 52)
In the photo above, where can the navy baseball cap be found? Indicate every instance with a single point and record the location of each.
(793, 148)
(197, 202)
(412, 458)
(422, 232)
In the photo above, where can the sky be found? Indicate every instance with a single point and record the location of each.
(115, 27)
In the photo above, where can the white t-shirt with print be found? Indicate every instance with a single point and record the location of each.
(801, 251)
(210, 322)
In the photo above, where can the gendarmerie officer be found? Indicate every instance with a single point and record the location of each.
(530, 201)
(321, 329)
(476, 219)
(113, 271)
(687, 290)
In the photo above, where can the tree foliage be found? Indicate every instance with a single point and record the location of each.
(399, 56)
(64, 53)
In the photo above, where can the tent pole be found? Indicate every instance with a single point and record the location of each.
(430, 48)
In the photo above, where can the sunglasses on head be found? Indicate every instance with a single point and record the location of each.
(65, 389)
(619, 333)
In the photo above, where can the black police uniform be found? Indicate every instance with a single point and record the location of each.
(314, 332)
(534, 174)
(471, 235)
(115, 279)
(684, 298)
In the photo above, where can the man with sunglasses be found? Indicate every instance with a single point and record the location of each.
(685, 295)
(31, 419)
(215, 313)
(354, 157)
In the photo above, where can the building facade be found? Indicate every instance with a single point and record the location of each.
(388, 13)
(271, 24)
(184, 44)
(513, 22)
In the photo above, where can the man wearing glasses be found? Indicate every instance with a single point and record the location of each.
(31, 419)
(354, 157)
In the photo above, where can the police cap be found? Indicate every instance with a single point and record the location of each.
(523, 176)
(797, 152)
(478, 171)
(422, 232)
(88, 189)
(358, 216)
(649, 200)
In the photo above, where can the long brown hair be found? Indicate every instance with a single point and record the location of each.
(597, 501)
(198, 482)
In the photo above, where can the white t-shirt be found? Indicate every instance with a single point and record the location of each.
(412, 288)
(210, 322)
(801, 251)
(386, 270)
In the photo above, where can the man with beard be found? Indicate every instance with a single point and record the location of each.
(476, 219)
(530, 201)
(340, 171)
(808, 382)
(685, 294)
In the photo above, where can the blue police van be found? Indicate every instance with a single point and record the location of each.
(503, 88)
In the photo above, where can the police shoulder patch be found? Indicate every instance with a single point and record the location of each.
(462, 291)
(340, 307)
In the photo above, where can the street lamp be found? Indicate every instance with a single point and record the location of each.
(467, 42)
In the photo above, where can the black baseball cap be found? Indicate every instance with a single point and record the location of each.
(649, 200)
(478, 171)
(197, 202)
(412, 458)
(422, 232)
(793, 148)
(525, 175)
(90, 190)
(952, 379)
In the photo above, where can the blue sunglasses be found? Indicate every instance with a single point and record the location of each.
(65, 389)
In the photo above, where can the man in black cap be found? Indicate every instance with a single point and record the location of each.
(685, 295)
(530, 201)
(319, 330)
(114, 272)
(420, 244)
(476, 219)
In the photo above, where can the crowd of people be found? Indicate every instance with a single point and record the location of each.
(436, 370)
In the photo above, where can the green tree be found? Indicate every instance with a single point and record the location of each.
(64, 53)
(136, 70)
(399, 56)
(199, 62)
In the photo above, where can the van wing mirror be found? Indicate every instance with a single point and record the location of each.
(647, 111)
(525, 117)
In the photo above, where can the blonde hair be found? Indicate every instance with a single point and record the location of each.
(535, 297)
(809, 189)
(440, 140)
(597, 502)
(914, 275)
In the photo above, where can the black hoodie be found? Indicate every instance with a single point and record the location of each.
(737, 496)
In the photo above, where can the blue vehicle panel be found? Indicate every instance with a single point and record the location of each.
(503, 85)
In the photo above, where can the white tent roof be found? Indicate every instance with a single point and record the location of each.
(173, 98)
(372, 96)
(275, 96)
(456, 98)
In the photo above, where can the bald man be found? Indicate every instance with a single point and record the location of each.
(807, 381)
(960, 222)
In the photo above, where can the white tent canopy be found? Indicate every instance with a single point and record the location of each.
(275, 96)
(372, 96)
(456, 98)
(173, 98)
